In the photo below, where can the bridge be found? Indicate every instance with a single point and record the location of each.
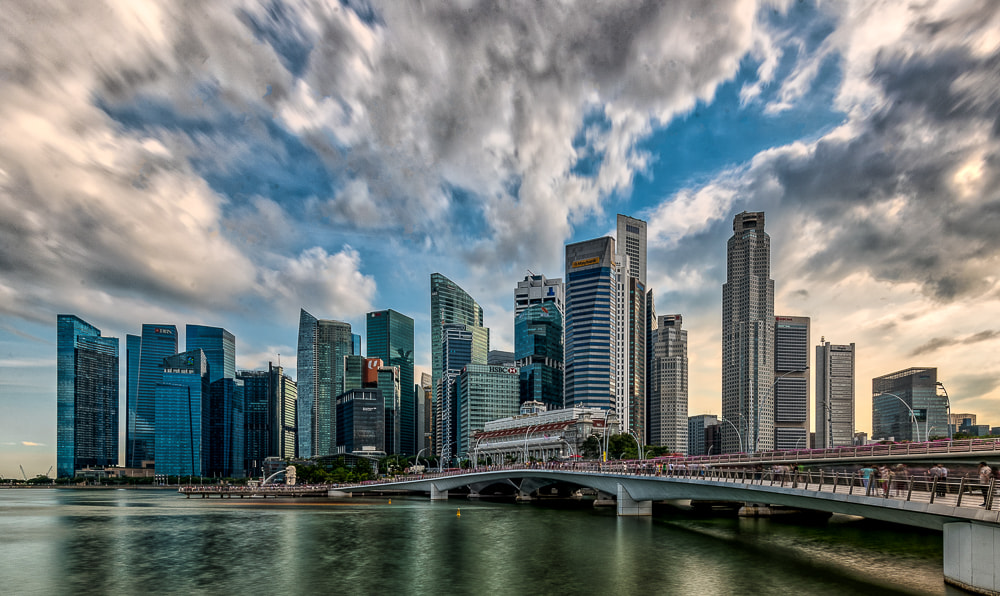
(960, 507)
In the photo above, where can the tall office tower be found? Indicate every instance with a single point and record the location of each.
(633, 325)
(356, 344)
(538, 289)
(86, 397)
(426, 415)
(699, 435)
(456, 352)
(591, 324)
(226, 439)
(183, 414)
(450, 304)
(834, 395)
(388, 384)
(361, 421)
(321, 350)
(390, 337)
(791, 382)
(748, 338)
(269, 414)
(538, 352)
(145, 371)
(906, 406)
(485, 393)
(668, 419)
(219, 347)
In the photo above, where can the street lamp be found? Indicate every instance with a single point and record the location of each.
(739, 437)
(947, 402)
(607, 430)
(638, 445)
(526, 433)
(913, 415)
(418, 456)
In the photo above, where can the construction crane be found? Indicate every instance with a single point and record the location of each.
(22, 472)
(49, 472)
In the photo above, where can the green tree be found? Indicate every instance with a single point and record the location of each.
(591, 448)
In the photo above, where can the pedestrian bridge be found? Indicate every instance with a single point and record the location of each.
(955, 505)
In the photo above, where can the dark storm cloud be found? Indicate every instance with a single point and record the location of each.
(942, 342)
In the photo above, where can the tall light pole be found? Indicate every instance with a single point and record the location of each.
(607, 430)
(913, 415)
(638, 445)
(947, 402)
(739, 437)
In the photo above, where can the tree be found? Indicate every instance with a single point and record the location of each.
(591, 448)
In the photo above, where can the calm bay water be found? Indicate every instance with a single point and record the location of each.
(134, 541)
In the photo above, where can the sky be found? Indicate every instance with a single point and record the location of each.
(228, 163)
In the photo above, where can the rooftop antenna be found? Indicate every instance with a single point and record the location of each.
(279, 360)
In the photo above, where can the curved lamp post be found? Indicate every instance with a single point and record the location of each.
(947, 402)
(638, 445)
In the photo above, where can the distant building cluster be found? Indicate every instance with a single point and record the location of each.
(589, 355)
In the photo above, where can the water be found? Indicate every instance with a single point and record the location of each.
(136, 541)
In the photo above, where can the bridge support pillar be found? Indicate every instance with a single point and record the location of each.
(604, 500)
(627, 506)
(438, 495)
(971, 551)
(522, 497)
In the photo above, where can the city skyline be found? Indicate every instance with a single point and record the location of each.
(223, 166)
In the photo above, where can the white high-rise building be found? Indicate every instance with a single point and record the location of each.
(537, 289)
(834, 395)
(748, 338)
(791, 382)
(668, 380)
(631, 315)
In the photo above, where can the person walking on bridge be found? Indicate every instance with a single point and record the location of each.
(985, 475)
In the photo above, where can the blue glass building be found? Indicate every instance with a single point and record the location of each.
(538, 352)
(183, 412)
(86, 397)
(226, 439)
(591, 328)
(457, 348)
(219, 347)
(390, 337)
(323, 344)
(145, 371)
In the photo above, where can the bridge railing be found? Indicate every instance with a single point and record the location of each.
(860, 451)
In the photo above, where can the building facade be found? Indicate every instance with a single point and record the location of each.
(86, 397)
(834, 395)
(390, 337)
(542, 435)
(668, 419)
(702, 431)
(484, 393)
(322, 346)
(219, 347)
(591, 324)
(145, 356)
(183, 414)
(456, 349)
(791, 382)
(361, 422)
(226, 441)
(633, 326)
(538, 354)
(906, 406)
(270, 417)
(748, 338)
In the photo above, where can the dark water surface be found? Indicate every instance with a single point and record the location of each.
(55, 541)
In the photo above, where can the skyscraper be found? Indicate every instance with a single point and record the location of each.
(390, 338)
(748, 338)
(219, 347)
(538, 352)
(791, 382)
(86, 397)
(323, 344)
(906, 406)
(633, 325)
(450, 304)
(145, 371)
(484, 393)
(668, 419)
(270, 427)
(834, 395)
(456, 351)
(701, 434)
(389, 386)
(183, 415)
(537, 289)
(591, 324)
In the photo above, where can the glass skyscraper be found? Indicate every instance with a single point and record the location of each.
(323, 344)
(456, 351)
(145, 371)
(183, 413)
(86, 397)
(270, 421)
(450, 304)
(484, 393)
(390, 337)
(748, 338)
(538, 352)
(591, 329)
(906, 406)
(219, 347)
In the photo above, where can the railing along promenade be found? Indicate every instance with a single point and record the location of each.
(267, 490)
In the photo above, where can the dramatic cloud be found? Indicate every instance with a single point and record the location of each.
(942, 342)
